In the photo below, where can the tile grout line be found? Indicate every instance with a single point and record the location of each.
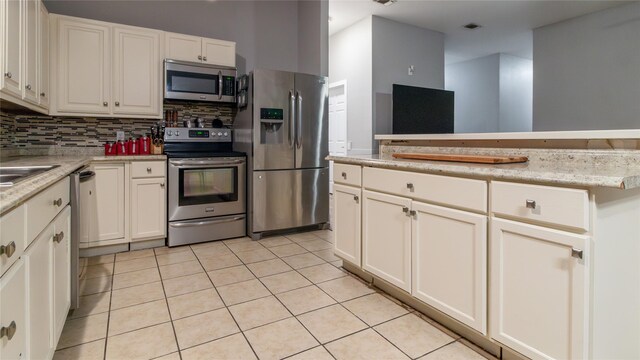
(106, 335)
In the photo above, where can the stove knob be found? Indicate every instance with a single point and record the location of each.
(226, 134)
(177, 132)
(213, 134)
(219, 134)
(169, 132)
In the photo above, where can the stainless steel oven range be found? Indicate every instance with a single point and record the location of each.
(206, 186)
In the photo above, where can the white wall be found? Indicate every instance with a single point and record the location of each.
(587, 72)
(476, 87)
(350, 59)
(516, 94)
(395, 47)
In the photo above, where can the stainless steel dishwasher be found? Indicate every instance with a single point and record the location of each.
(78, 215)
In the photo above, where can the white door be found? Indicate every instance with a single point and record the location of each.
(136, 72)
(12, 33)
(183, 47)
(386, 238)
(61, 270)
(148, 208)
(84, 67)
(538, 290)
(43, 67)
(450, 262)
(13, 308)
(109, 201)
(219, 52)
(347, 223)
(337, 123)
(39, 294)
(31, 50)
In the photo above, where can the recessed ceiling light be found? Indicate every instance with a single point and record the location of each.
(385, 2)
(472, 26)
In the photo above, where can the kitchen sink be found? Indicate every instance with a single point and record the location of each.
(10, 175)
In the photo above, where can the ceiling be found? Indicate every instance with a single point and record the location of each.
(506, 25)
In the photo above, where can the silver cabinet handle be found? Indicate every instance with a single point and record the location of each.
(57, 202)
(8, 249)
(58, 237)
(28, 87)
(530, 204)
(43, 94)
(117, 103)
(105, 103)
(8, 331)
(576, 253)
(412, 213)
(161, 185)
(148, 169)
(204, 58)
(199, 57)
(410, 186)
(344, 175)
(356, 198)
(405, 209)
(8, 74)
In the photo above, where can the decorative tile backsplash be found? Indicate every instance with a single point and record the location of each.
(21, 131)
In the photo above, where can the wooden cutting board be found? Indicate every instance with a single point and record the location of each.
(481, 159)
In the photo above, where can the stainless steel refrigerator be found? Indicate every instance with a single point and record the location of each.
(284, 131)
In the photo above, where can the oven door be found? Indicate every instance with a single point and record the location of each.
(206, 187)
(185, 81)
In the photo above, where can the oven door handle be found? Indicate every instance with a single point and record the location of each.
(202, 223)
(206, 162)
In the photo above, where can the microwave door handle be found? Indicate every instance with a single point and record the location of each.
(202, 223)
(299, 120)
(219, 84)
(292, 106)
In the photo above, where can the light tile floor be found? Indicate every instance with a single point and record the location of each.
(280, 297)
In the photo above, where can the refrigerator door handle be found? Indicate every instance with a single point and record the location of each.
(299, 119)
(292, 106)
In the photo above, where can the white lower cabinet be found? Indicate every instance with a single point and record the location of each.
(450, 262)
(13, 312)
(538, 290)
(61, 270)
(38, 260)
(108, 208)
(148, 208)
(347, 223)
(386, 245)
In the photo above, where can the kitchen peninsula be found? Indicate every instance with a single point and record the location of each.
(540, 258)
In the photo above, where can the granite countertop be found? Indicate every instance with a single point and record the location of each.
(561, 170)
(15, 195)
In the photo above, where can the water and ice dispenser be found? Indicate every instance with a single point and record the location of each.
(272, 129)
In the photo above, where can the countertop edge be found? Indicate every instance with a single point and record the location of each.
(626, 134)
(590, 181)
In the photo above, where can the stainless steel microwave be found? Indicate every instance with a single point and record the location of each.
(199, 82)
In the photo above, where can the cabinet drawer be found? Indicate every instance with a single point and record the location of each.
(147, 169)
(347, 174)
(446, 190)
(545, 204)
(42, 208)
(12, 237)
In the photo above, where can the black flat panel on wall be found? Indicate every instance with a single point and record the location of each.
(418, 110)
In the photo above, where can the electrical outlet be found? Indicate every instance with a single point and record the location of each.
(412, 70)
(349, 145)
(119, 135)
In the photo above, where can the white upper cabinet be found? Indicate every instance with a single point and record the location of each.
(12, 55)
(198, 49)
(83, 71)
(43, 73)
(136, 71)
(219, 52)
(31, 52)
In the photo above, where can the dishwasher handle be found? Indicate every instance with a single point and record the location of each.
(86, 175)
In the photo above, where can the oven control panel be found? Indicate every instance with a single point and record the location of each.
(197, 135)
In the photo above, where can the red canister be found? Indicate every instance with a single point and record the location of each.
(133, 147)
(121, 147)
(110, 149)
(144, 145)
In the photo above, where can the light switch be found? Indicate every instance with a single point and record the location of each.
(119, 135)
(412, 70)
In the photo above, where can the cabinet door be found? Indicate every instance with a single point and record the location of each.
(61, 270)
(219, 52)
(109, 202)
(13, 308)
(148, 208)
(386, 245)
(89, 205)
(43, 67)
(31, 27)
(83, 67)
(347, 226)
(39, 293)
(183, 47)
(449, 262)
(12, 42)
(538, 290)
(136, 71)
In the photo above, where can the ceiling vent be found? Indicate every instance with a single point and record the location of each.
(472, 26)
(385, 2)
